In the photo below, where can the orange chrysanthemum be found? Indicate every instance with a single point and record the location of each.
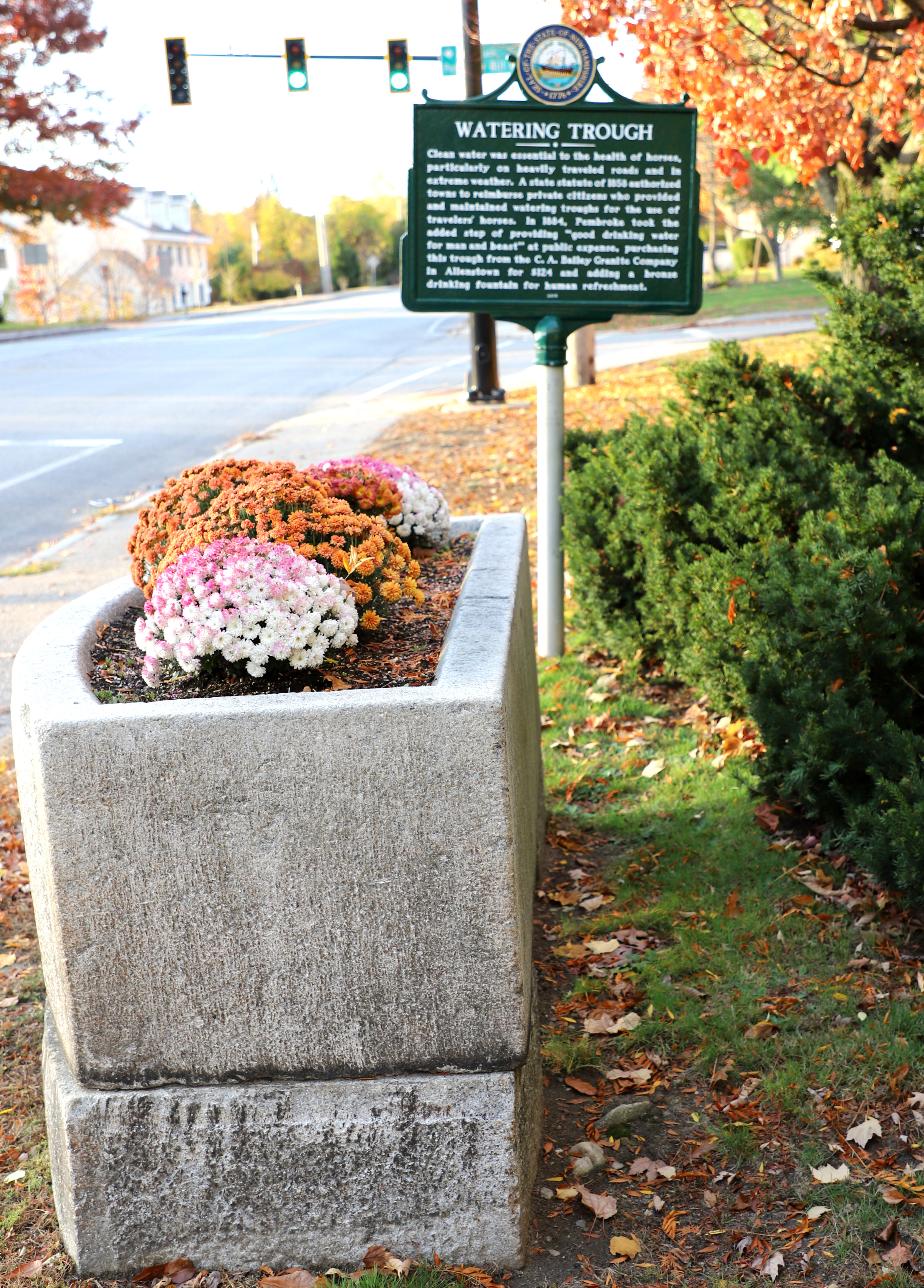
(273, 501)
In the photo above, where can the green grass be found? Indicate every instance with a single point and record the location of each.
(31, 569)
(710, 982)
(567, 1053)
(739, 942)
(48, 326)
(794, 294)
(419, 1277)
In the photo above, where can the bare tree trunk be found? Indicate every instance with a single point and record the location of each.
(774, 250)
(581, 367)
(713, 235)
(755, 262)
(731, 235)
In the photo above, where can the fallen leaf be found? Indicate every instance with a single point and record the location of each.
(653, 768)
(863, 1133)
(7, 959)
(817, 1212)
(768, 819)
(567, 898)
(602, 1205)
(770, 1267)
(11, 1177)
(900, 1255)
(293, 1278)
(578, 1084)
(657, 1204)
(889, 1231)
(600, 946)
(337, 683)
(178, 1271)
(605, 1023)
(566, 1192)
(710, 1198)
(762, 1029)
(28, 1270)
(828, 1175)
(637, 1076)
(626, 1023)
(379, 1258)
(733, 905)
(571, 952)
(624, 1246)
(652, 1169)
(9, 1001)
(893, 1196)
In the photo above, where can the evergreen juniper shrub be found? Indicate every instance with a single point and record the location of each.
(875, 367)
(764, 538)
(739, 459)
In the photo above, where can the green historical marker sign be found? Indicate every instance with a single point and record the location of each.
(522, 210)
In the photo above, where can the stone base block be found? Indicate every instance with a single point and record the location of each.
(293, 1173)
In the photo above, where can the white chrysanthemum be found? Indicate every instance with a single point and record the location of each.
(424, 512)
(248, 601)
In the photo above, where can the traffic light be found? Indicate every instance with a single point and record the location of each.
(399, 76)
(296, 64)
(177, 70)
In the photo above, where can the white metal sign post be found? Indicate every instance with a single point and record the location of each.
(550, 477)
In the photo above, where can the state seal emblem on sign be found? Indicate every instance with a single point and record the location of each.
(556, 65)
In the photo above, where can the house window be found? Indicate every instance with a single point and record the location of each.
(2, 257)
(35, 253)
(163, 262)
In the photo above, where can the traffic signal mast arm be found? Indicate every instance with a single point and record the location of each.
(296, 56)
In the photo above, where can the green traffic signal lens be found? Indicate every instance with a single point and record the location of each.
(399, 80)
(297, 80)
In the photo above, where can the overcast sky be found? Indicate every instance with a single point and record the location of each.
(246, 133)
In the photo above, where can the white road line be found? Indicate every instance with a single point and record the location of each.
(407, 380)
(59, 442)
(100, 445)
(459, 360)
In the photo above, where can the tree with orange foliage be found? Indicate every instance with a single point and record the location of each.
(32, 34)
(814, 83)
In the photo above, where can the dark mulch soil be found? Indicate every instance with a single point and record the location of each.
(405, 649)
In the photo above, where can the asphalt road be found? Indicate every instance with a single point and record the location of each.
(86, 419)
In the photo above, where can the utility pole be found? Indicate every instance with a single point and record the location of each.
(327, 281)
(484, 382)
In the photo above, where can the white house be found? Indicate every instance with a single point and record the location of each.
(147, 260)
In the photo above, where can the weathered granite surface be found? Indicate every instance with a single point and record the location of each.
(296, 885)
(293, 1173)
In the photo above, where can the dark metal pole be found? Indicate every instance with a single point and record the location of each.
(484, 382)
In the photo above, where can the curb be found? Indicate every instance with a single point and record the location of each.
(44, 333)
(258, 306)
